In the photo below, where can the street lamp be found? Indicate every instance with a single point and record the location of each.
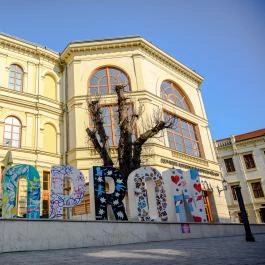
(224, 184)
(249, 236)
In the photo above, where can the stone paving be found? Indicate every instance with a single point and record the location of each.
(208, 251)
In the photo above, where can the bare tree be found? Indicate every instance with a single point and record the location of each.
(129, 149)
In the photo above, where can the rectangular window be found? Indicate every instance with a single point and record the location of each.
(45, 208)
(233, 189)
(257, 190)
(249, 161)
(182, 137)
(229, 164)
(46, 180)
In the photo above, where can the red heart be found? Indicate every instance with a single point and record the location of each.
(190, 200)
(197, 187)
(197, 219)
(175, 179)
(199, 198)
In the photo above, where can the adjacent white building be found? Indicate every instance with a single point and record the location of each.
(242, 160)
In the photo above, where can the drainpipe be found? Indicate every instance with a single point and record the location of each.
(65, 128)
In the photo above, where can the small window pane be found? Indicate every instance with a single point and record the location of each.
(15, 129)
(15, 143)
(94, 91)
(7, 141)
(8, 128)
(15, 136)
(8, 135)
(103, 90)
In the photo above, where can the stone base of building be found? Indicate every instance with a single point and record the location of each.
(28, 235)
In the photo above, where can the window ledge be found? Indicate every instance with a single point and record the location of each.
(251, 169)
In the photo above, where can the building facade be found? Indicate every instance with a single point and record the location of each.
(43, 109)
(242, 160)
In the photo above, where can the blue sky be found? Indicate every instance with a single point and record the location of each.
(222, 40)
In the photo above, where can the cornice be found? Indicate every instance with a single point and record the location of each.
(174, 157)
(133, 43)
(30, 151)
(21, 46)
(30, 101)
(250, 141)
(190, 158)
(141, 96)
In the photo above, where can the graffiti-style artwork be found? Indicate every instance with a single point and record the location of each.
(58, 200)
(9, 191)
(197, 195)
(114, 199)
(186, 188)
(141, 175)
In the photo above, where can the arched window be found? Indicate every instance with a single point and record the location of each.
(49, 87)
(170, 92)
(104, 80)
(12, 132)
(15, 77)
(50, 138)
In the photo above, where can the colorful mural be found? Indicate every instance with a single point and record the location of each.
(9, 191)
(102, 199)
(58, 200)
(140, 176)
(186, 189)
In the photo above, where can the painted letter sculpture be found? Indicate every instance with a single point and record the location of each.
(9, 189)
(138, 194)
(175, 195)
(186, 189)
(102, 199)
(58, 200)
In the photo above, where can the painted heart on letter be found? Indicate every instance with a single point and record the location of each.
(197, 187)
(175, 179)
(199, 198)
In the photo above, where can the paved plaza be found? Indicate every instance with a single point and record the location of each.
(209, 251)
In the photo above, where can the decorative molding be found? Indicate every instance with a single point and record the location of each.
(22, 47)
(189, 158)
(133, 44)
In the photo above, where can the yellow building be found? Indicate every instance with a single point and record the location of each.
(48, 117)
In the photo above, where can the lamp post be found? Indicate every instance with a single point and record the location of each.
(224, 184)
(249, 236)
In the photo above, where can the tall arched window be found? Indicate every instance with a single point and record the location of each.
(15, 77)
(49, 87)
(104, 80)
(170, 92)
(12, 132)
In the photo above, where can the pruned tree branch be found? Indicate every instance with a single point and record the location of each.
(125, 141)
(129, 151)
(103, 146)
(138, 144)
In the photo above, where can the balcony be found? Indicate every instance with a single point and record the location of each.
(223, 142)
